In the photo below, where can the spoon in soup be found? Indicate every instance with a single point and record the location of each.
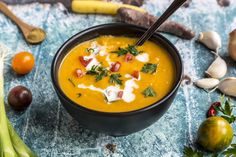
(33, 35)
(151, 30)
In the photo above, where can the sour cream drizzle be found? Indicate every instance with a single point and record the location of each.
(143, 57)
(128, 95)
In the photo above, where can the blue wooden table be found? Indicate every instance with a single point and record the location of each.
(51, 132)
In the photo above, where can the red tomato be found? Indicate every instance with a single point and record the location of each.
(135, 74)
(115, 67)
(79, 73)
(128, 57)
(84, 62)
(120, 94)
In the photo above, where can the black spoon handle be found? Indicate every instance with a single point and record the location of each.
(169, 11)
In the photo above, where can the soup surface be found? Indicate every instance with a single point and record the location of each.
(108, 74)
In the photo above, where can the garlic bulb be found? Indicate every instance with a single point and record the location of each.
(207, 83)
(217, 69)
(232, 45)
(211, 40)
(228, 86)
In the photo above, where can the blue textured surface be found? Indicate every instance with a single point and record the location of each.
(50, 131)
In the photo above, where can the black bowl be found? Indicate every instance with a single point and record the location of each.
(123, 123)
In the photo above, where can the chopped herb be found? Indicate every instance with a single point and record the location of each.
(190, 152)
(71, 81)
(90, 50)
(98, 71)
(133, 50)
(79, 95)
(115, 78)
(130, 49)
(149, 68)
(227, 110)
(149, 92)
(121, 52)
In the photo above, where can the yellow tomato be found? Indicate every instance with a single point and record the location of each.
(23, 63)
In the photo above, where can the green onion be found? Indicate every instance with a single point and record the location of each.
(11, 144)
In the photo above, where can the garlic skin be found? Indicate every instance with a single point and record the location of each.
(228, 86)
(211, 40)
(207, 83)
(232, 45)
(217, 69)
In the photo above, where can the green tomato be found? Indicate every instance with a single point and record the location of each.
(215, 134)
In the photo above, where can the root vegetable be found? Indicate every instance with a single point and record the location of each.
(232, 44)
(146, 20)
(133, 2)
(100, 7)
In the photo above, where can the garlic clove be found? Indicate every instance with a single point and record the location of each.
(210, 39)
(207, 83)
(217, 69)
(232, 45)
(228, 86)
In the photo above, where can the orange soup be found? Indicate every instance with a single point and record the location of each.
(108, 74)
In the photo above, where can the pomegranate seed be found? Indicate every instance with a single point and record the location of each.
(120, 94)
(135, 74)
(115, 67)
(79, 73)
(128, 57)
(84, 62)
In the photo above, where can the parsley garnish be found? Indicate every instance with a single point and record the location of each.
(149, 92)
(98, 71)
(79, 95)
(190, 152)
(71, 81)
(226, 109)
(130, 49)
(149, 68)
(115, 78)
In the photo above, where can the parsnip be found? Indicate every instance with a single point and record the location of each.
(99, 7)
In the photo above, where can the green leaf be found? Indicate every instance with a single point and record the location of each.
(121, 52)
(115, 78)
(190, 152)
(133, 50)
(227, 108)
(149, 68)
(230, 152)
(99, 72)
(149, 92)
(130, 49)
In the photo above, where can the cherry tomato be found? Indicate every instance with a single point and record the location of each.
(135, 74)
(23, 63)
(128, 57)
(83, 61)
(115, 67)
(19, 97)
